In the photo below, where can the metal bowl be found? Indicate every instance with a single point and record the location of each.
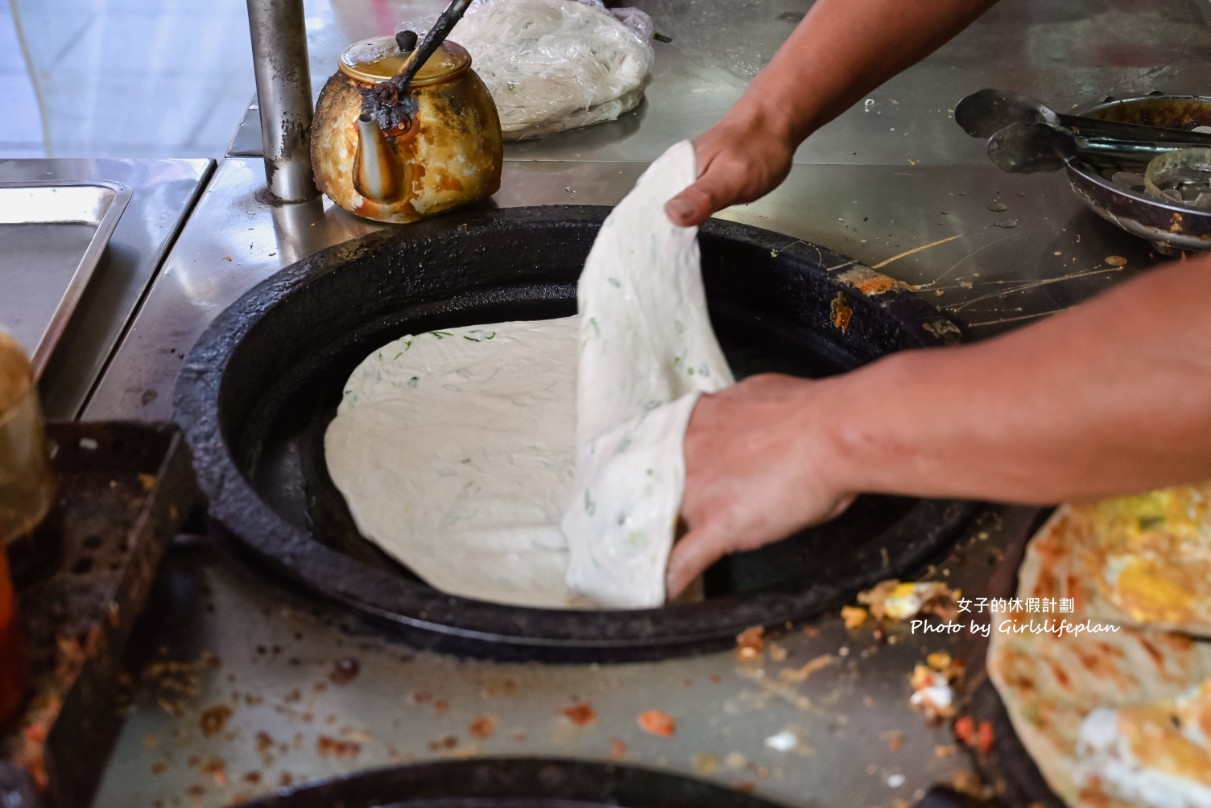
(1171, 228)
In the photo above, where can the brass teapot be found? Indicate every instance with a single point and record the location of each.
(401, 156)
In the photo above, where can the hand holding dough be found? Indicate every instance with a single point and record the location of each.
(647, 350)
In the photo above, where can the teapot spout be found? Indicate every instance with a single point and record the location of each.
(378, 171)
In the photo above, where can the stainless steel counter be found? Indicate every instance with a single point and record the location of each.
(163, 191)
(893, 184)
(1065, 54)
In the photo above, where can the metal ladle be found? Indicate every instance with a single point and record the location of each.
(1025, 136)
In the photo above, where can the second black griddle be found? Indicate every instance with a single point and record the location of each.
(511, 783)
(264, 380)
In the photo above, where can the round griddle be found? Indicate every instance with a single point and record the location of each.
(258, 390)
(510, 783)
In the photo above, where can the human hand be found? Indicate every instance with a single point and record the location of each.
(740, 159)
(756, 472)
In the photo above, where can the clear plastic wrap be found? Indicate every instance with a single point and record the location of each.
(553, 65)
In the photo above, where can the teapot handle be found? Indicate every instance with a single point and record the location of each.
(436, 36)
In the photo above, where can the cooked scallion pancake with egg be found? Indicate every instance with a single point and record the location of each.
(1113, 714)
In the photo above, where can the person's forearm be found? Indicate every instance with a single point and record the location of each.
(1109, 398)
(842, 50)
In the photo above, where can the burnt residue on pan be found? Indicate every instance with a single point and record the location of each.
(261, 385)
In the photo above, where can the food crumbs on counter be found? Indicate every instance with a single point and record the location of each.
(853, 616)
(483, 727)
(801, 674)
(618, 749)
(344, 670)
(213, 720)
(463, 753)
(783, 741)
(657, 722)
(264, 741)
(932, 693)
(217, 769)
(945, 750)
(705, 763)
(894, 738)
(750, 643)
(969, 783)
(778, 653)
(580, 713)
(1116, 261)
(932, 684)
(331, 747)
(900, 601)
(939, 660)
(977, 737)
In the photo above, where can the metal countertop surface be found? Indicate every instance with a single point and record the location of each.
(993, 250)
(163, 191)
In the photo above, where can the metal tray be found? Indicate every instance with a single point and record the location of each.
(52, 236)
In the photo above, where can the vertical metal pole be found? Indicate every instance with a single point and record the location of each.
(283, 85)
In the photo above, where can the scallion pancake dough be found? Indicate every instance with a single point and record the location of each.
(647, 352)
(459, 450)
(455, 452)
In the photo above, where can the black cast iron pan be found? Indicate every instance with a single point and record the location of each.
(259, 388)
(511, 783)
